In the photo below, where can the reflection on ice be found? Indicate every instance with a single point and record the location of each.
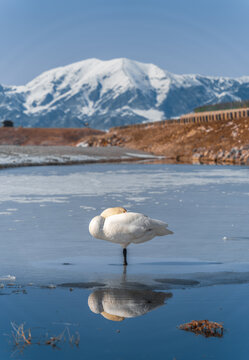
(119, 304)
(125, 300)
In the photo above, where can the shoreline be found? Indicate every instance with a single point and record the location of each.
(220, 142)
(13, 156)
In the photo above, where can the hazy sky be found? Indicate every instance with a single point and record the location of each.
(209, 37)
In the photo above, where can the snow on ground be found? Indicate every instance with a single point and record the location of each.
(43, 160)
(53, 155)
(82, 144)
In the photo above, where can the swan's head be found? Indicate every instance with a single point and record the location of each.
(112, 317)
(97, 223)
(96, 227)
(95, 303)
(113, 211)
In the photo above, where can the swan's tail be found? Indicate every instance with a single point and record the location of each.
(164, 231)
(169, 232)
(162, 228)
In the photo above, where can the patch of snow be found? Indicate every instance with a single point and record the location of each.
(137, 199)
(150, 115)
(29, 159)
(88, 208)
(145, 155)
(82, 144)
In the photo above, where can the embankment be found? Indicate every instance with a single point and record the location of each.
(219, 141)
(222, 141)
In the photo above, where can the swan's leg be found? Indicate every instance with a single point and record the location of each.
(124, 274)
(125, 256)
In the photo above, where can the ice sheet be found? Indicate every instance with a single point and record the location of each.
(53, 207)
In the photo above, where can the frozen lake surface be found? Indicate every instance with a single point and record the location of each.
(44, 214)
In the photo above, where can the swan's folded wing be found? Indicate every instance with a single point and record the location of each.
(139, 225)
(131, 226)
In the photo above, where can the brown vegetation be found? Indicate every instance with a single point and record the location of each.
(23, 338)
(42, 136)
(204, 327)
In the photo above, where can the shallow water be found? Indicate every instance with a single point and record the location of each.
(203, 268)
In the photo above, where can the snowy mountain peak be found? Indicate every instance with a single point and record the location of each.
(112, 92)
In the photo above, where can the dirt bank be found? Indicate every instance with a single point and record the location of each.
(214, 142)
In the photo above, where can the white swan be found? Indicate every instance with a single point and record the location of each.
(122, 227)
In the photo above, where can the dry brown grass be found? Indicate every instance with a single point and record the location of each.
(22, 338)
(42, 136)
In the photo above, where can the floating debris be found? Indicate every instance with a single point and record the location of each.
(204, 327)
(51, 286)
(7, 277)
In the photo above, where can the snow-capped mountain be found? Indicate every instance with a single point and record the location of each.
(110, 93)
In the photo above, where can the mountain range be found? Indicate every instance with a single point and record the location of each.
(102, 94)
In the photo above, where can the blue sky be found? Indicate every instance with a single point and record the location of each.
(182, 36)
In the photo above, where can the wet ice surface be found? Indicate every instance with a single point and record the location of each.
(44, 214)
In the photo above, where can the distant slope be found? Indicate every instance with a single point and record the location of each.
(112, 93)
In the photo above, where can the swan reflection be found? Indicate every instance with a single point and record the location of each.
(118, 304)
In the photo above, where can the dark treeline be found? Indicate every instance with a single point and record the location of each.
(223, 106)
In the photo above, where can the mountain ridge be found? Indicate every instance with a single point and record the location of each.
(110, 93)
